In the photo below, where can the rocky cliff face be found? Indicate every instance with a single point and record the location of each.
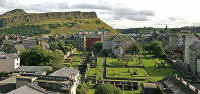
(18, 17)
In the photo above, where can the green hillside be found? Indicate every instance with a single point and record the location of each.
(33, 24)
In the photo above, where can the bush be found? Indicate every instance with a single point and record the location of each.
(98, 22)
(107, 89)
(82, 89)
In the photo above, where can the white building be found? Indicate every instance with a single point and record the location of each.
(70, 72)
(9, 62)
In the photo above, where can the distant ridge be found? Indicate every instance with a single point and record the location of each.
(18, 16)
(18, 21)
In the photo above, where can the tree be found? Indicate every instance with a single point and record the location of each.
(73, 42)
(135, 49)
(156, 48)
(7, 47)
(82, 89)
(98, 45)
(107, 89)
(54, 46)
(39, 56)
(61, 45)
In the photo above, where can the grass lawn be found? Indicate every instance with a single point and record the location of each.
(123, 73)
(97, 71)
(154, 73)
(113, 61)
(76, 62)
(158, 74)
(91, 91)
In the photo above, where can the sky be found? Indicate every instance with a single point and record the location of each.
(120, 13)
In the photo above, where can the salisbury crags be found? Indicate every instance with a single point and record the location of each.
(18, 17)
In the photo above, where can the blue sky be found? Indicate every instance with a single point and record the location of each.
(120, 13)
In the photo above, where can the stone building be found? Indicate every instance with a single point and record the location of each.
(64, 81)
(194, 58)
(9, 62)
(113, 41)
(81, 41)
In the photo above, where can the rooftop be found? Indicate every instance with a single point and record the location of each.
(195, 45)
(12, 55)
(32, 68)
(118, 37)
(25, 77)
(19, 47)
(56, 82)
(65, 72)
(29, 89)
(176, 87)
(149, 85)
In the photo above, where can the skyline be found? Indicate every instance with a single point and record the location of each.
(118, 14)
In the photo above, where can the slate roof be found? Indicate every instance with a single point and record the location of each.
(19, 47)
(29, 89)
(149, 85)
(12, 55)
(32, 68)
(65, 72)
(9, 80)
(195, 45)
(176, 87)
(118, 37)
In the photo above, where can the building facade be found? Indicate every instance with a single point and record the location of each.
(9, 62)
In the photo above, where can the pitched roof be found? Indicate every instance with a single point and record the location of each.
(12, 55)
(149, 85)
(32, 68)
(195, 45)
(29, 89)
(118, 37)
(19, 47)
(65, 72)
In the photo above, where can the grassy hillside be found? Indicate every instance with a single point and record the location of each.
(70, 26)
(59, 26)
(19, 22)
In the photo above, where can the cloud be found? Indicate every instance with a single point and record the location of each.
(91, 6)
(176, 19)
(47, 7)
(131, 14)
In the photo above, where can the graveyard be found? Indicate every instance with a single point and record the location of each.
(134, 69)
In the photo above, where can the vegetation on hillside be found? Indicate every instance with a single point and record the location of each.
(25, 30)
(58, 27)
(33, 24)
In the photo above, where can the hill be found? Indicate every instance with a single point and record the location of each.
(54, 22)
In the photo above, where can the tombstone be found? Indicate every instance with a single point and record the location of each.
(135, 72)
